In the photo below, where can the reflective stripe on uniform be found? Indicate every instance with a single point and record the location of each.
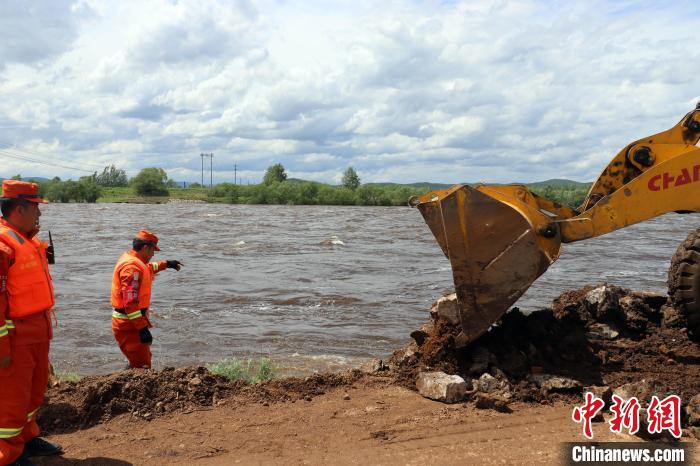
(8, 432)
(9, 324)
(31, 415)
(133, 315)
(154, 266)
(17, 237)
(3, 330)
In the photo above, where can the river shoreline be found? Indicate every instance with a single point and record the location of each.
(183, 415)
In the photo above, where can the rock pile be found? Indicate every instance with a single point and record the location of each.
(593, 339)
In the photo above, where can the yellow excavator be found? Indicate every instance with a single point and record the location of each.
(501, 238)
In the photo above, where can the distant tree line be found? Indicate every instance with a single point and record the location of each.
(148, 182)
(309, 192)
(83, 190)
(570, 195)
(275, 188)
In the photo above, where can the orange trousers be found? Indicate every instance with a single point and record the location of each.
(138, 354)
(22, 388)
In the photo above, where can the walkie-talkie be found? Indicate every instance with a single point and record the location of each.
(50, 257)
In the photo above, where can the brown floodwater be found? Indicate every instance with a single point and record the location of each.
(312, 287)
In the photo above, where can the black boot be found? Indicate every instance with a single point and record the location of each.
(40, 447)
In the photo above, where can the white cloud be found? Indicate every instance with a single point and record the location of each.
(404, 91)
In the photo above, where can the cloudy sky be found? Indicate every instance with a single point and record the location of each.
(403, 91)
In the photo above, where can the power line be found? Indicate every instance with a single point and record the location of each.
(41, 162)
(8, 146)
(7, 150)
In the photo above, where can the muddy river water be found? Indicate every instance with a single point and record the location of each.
(312, 287)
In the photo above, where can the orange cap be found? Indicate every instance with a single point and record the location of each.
(15, 189)
(146, 235)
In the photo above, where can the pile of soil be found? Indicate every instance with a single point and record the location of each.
(148, 394)
(598, 336)
(602, 336)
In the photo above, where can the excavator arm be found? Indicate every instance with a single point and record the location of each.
(500, 238)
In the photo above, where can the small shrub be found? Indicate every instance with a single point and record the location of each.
(266, 370)
(246, 370)
(68, 376)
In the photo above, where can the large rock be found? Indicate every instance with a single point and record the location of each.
(603, 302)
(481, 360)
(602, 332)
(637, 313)
(554, 383)
(447, 309)
(643, 391)
(403, 356)
(488, 383)
(600, 391)
(494, 384)
(441, 387)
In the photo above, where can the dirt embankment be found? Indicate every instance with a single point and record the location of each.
(147, 394)
(603, 336)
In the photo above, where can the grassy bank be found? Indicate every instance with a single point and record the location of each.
(294, 192)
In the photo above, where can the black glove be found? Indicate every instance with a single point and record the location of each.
(145, 336)
(174, 265)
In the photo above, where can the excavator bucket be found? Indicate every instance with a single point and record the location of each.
(500, 238)
(493, 248)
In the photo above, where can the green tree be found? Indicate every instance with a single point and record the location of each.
(73, 190)
(112, 176)
(227, 191)
(274, 173)
(90, 190)
(56, 192)
(17, 177)
(372, 195)
(150, 182)
(350, 179)
(308, 194)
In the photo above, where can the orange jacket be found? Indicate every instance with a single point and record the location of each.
(131, 290)
(26, 290)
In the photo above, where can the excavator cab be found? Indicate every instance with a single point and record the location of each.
(500, 238)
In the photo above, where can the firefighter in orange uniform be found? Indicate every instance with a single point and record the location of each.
(26, 300)
(131, 297)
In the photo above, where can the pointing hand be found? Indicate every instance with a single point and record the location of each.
(174, 265)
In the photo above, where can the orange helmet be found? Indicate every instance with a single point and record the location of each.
(146, 235)
(15, 189)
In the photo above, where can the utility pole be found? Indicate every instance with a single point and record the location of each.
(211, 169)
(234, 173)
